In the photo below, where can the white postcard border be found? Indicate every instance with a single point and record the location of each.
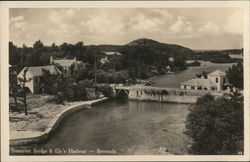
(114, 4)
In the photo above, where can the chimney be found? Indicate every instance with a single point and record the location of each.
(51, 59)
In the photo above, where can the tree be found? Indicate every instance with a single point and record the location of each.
(235, 75)
(13, 86)
(216, 125)
(14, 55)
(23, 81)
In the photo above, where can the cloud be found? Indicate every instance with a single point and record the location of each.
(18, 23)
(61, 20)
(55, 17)
(163, 13)
(59, 16)
(182, 24)
(210, 27)
(146, 24)
(17, 18)
(235, 22)
(122, 25)
(103, 23)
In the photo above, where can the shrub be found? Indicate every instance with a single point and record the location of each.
(216, 125)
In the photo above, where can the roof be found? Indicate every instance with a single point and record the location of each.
(66, 62)
(112, 53)
(38, 70)
(217, 73)
(199, 82)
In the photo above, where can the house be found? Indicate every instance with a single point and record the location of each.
(112, 53)
(68, 65)
(171, 59)
(104, 60)
(214, 81)
(34, 75)
(168, 70)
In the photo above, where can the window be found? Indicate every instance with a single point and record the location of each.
(184, 86)
(224, 80)
(192, 87)
(216, 80)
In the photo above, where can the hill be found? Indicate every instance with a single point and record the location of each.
(171, 50)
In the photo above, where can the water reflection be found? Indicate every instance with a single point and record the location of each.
(129, 127)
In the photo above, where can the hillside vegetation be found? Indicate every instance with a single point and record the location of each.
(141, 58)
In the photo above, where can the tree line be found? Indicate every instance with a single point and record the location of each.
(141, 61)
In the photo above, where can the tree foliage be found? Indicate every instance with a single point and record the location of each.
(235, 75)
(216, 125)
(13, 86)
(23, 81)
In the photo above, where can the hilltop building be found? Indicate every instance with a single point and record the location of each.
(112, 53)
(215, 81)
(34, 75)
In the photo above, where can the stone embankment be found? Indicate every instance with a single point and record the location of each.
(20, 138)
(147, 93)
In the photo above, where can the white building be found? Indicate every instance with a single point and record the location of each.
(215, 81)
(112, 53)
(104, 60)
(34, 75)
(66, 63)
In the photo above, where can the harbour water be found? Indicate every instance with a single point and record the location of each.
(128, 127)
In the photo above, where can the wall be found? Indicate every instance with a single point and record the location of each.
(167, 95)
(51, 128)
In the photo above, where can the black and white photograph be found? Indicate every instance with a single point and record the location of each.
(160, 81)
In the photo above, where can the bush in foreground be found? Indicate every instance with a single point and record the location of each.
(216, 125)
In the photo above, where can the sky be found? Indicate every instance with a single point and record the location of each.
(195, 28)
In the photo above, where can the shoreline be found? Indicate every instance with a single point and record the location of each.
(32, 137)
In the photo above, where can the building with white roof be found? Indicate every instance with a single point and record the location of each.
(112, 53)
(34, 75)
(66, 64)
(215, 81)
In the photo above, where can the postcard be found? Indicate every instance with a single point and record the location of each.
(125, 81)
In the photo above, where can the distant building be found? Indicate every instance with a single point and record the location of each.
(215, 81)
(168, 69)
(104, 60)
(68, 65)
(34, 74)
(171, 59)
(112, 53)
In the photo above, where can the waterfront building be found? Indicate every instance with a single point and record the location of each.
(34, 76)
(214, 81)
